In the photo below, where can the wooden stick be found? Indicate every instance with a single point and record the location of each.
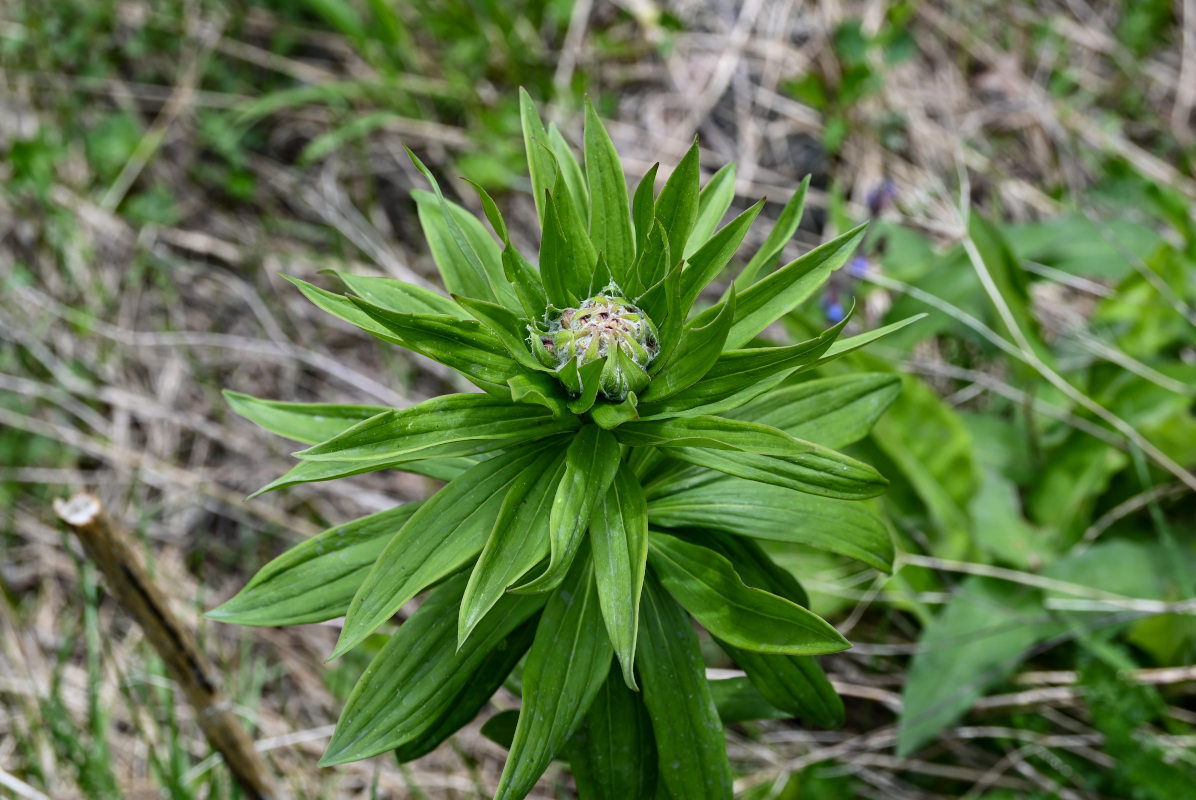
(141, 598)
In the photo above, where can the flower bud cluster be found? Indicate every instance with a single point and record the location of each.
(605, 327)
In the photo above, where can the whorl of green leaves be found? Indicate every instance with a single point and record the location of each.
(596, 496)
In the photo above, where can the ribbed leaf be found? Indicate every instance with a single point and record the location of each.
(448, 530)
(690, 743)
(344, 308)
(518, 541)
(833, 412)
(717, 433)
(399, 296)
(699, 347)
(677, 205)
(758, 510)
(419, 673)
(643, 206)
(449, 425)
(707, 585)
(569, 171)
(794, 684)
(315, 580)
(712, 257)
(463, 345)
(713, 202)
(610, 219)
(619, 541)
(303, 422)
(738, 376)
(566, 666)
(540, 162)
(507, 327)
(651, 267)
(820, 471)
(769, 299)
(441, 469)
(612, 754)
(540, 389)
(766, 257)
(566, 277)
(528, 284)
(737, 700)
(590, 466)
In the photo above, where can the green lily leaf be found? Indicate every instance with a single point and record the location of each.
(449, 425)
(763, 511)
(344, 308)
(648, 276)
(712, 257)
(588, 382)
(795, 685)
(782, 232)
(398, 296)
(540, 162)
(774, 296)
(643, 208)
(462, 345)
(418, 673)
(518, 541)
(566, 667)
(700, 345)
(619, 541)
(569, 171)
(529, 286)
(612, 753)
(303, 422)
(446, 532)
(590, 466)
(315, 580)
(833, 412)
(441, 469)
(566, 276)
(738, 700)
(713, 202)
(819, 471)
(738, 376)
(707, 585)
(689, 735)
(610, 218)
(508, 329)
(716, 433)
(540, 389)
(611, 415)
(677, 205)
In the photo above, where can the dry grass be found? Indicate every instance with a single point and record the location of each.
(117, 338)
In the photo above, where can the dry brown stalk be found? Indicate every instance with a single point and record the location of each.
(143, 600)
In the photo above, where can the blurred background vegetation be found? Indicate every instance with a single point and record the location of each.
(1029, 171)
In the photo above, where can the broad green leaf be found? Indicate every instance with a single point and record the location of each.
(643, 206)
(775, 295)
(647, 278)
(315, 580)
(446, 532)
(712, 257)
(540, 163)
(700, 345)
(587, 384)
(303, 422)
(590, 466)
(463, 345)
(852, 343)
(796, 685)
(543, 390)
(487, 679)
(610, 218)
(755, 567)
(619, 542)
(419, 673)
(569, 171)
(762, 511)
(738, 376)
(518, 541)
(716, 433)
(766, 257)
(566, 667)
(493, 215)
(977, 640)
(689, 736)
(449, 425)
(442, 469)
(344, 308)
(612, 754)
(713, 202)
(677, 205)
(707, 585)
(399, 296)
(737, 700)
(611, 415)
(508, 328)
(528, 284)
(834, 412)
(820, 471)
(460, 266)
(662, 304)
(563, 272)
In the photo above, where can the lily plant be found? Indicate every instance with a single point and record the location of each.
(632, 444)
